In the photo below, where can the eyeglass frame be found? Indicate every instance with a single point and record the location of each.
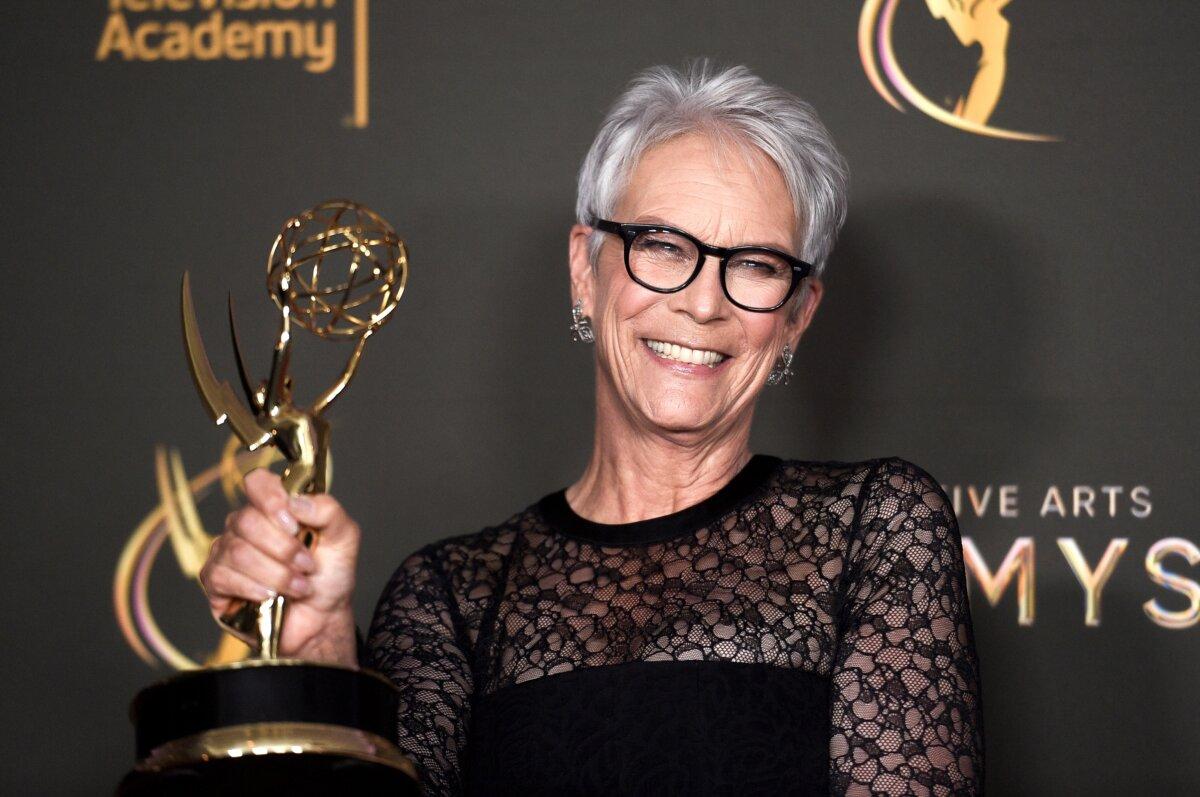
(628, 232)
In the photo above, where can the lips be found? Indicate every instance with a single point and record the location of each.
(685, 354)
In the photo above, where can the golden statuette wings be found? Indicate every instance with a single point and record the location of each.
(219, 398)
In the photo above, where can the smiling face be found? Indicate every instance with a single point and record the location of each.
(646, 372)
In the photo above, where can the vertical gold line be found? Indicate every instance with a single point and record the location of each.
(360, 63)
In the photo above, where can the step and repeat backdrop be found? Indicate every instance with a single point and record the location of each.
(1012, 305)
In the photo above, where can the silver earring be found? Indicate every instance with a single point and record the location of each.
(781, 374)
(581, 325)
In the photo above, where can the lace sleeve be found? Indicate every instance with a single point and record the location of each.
(416, 641)
(905, 712)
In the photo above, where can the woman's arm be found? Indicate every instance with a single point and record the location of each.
(417, 640)
(905, 712)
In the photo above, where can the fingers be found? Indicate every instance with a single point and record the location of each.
(248, 560)
(237, 569)
(321, 512)
(251, 525)
(266, 494)
(225, 585)
(259, 555)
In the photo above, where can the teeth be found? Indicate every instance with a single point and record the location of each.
(673, 351)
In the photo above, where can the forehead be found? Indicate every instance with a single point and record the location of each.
(724, 191)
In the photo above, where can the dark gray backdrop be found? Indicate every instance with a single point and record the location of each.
(998, 312)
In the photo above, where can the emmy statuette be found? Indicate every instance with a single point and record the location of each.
(266, 723)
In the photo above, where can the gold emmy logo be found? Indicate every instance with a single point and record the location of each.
(176, 519)
(971, 22)
(237, 30)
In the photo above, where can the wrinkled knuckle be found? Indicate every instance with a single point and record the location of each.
(228, 546)
(272, 505)
(215, 585)
(281, 550)
(216, 555)
(247, 523)
(241, 554)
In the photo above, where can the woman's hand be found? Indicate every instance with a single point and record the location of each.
(258, 555)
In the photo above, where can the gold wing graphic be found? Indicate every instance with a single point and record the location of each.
(184, 527)
(176, 518)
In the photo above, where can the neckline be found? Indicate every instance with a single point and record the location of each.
(562, 518)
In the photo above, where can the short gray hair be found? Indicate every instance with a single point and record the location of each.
(662, 103)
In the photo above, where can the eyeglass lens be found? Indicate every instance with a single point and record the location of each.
(665, 260)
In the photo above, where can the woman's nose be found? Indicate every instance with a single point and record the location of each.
(703, 299)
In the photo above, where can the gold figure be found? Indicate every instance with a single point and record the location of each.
(978, 21)
(368, 264)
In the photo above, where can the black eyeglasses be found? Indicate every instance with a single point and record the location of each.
(667, 260)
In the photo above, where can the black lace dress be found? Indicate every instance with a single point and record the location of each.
(805, 630)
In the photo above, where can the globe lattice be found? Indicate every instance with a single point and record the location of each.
(340, 269)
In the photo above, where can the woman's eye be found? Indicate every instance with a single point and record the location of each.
(660, 248)
(757, 266)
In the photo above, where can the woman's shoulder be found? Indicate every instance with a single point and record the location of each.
(472, 558)
(889, 483)
(881, 504)
(875, 467)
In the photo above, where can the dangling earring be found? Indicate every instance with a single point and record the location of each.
(581, 325)
(781, 374)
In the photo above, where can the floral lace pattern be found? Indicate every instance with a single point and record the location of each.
(851, 572)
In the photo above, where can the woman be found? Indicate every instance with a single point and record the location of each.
(686, 617)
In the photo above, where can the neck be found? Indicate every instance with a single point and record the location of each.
(638, 471)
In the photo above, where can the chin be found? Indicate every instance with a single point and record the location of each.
(678, 414)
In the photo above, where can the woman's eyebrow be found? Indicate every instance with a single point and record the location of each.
(659, 220)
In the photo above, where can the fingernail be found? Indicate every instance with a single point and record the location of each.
(263, 594)
(300, 586)
(300, 504)
(304, 561)
(288, 522)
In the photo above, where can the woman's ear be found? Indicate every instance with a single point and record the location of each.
(583, 276)
(813, 289)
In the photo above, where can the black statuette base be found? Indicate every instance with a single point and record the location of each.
(292, 775)
(255, 725)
